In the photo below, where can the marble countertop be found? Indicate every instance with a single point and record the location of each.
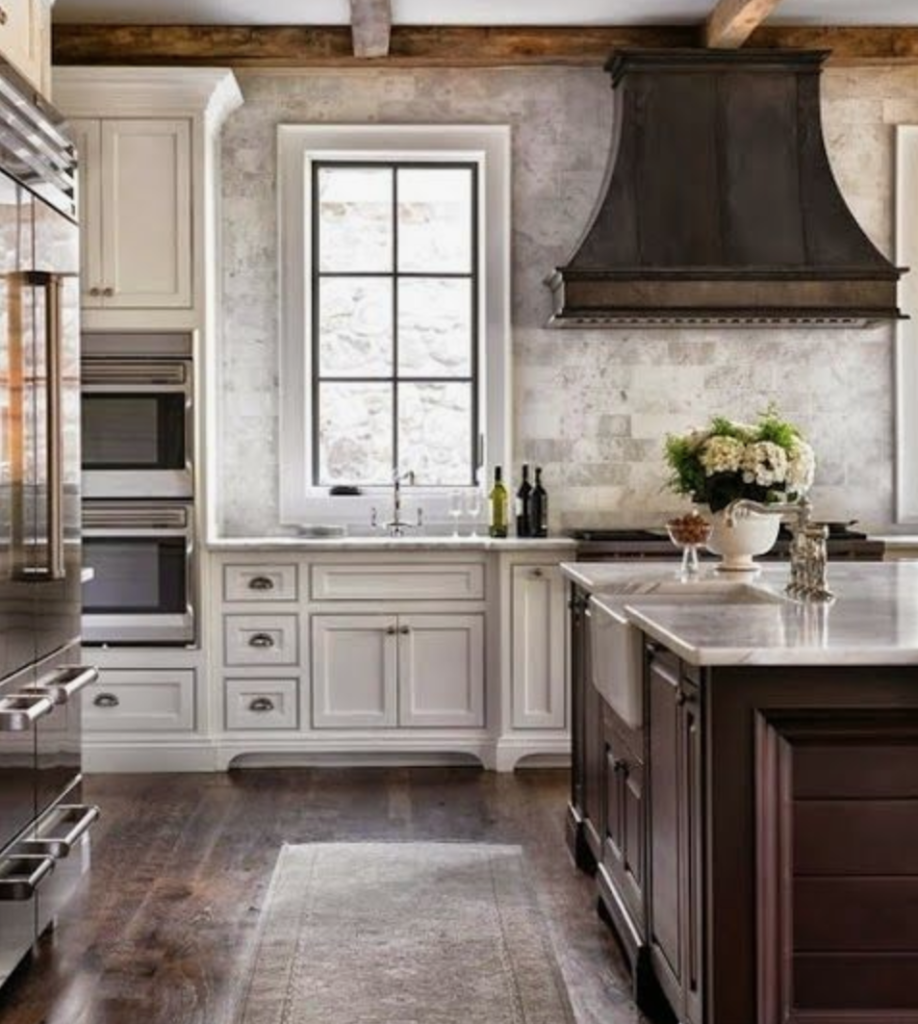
(407, 543)
(873, 621)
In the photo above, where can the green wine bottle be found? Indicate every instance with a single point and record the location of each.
(498, 501)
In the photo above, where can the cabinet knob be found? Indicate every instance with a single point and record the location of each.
(391, 630)
(261, 704)
(105, 700)
(3, 16)
(618, 765)
(261, 640)
(108, 292)
(96, 292)
(538, 573)
(404, 630)
(261, 583)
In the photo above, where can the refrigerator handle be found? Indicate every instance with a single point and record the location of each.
(55, 568)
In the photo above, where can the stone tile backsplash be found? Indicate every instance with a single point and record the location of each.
(592, 407)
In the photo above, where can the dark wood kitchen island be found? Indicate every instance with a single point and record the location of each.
(754, 833)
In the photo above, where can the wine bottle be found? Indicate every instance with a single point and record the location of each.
(538, 507)
(498, 502)
(523, 506)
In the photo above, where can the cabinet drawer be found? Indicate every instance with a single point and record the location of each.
(149, 700)
(259, 583)
(260, 639)
(261, 704)
(450, 582)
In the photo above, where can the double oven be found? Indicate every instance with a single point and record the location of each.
(138, 489)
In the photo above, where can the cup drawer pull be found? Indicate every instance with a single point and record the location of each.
(262, 640)
(261, 704)
(261, 583)
(106, 700)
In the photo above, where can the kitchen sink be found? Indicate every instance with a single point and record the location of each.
(617, 656)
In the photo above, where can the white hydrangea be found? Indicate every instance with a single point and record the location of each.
(765, 463)
(722, 455)
(801, 467)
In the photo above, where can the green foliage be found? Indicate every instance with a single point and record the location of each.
(682, 453)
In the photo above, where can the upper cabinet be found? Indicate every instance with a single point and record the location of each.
(136, 210)
(147, 142)
(25, 39)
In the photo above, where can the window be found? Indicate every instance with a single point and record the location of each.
(395, 313)
(394, 322)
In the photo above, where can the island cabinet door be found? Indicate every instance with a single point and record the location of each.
(675, 883)
(594, 758)
(623, 842)
(576, 840)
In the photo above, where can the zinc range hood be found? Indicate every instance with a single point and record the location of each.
(719, 205)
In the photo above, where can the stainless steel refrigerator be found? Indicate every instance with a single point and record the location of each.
(43, 825)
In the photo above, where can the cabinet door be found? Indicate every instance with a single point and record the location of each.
(87, 133)
(21, 37)
(666, 823)
(623, 841)
(354, 671)
(594, 757)
(538, 624)
(691, 854)
(441, 670)
(146, 221)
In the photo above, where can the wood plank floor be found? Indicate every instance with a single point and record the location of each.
(163, 931)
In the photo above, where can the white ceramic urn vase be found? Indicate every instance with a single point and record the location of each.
(739, 543)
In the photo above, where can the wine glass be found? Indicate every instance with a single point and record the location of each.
(455, 510)
(473, 506)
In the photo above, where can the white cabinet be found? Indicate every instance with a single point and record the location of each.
(397, 670)
(354, 671)
(441, 670)
(25, 39)
(141, 700)
(538, 658)
(136, 211)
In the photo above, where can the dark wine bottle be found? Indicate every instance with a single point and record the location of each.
(498, 500)
(523, 506)
(538, 507)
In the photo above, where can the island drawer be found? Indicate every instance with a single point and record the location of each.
(261, 639)
(259, 583)
(445, 582)
(143, 700)
(261, 703)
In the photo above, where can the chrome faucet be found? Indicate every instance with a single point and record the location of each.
(396, 525)
(808, 552)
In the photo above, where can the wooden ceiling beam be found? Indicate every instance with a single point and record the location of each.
(732, 22)
(445, 46)
(371, 26)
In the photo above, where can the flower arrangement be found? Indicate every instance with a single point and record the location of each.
(765, 461)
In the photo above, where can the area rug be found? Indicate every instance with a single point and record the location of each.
(403, 933)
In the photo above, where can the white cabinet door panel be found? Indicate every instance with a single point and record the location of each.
(146, 223)
(441, 670)
(354, 671)
(87, 133)
(21, 37)
(539, 662)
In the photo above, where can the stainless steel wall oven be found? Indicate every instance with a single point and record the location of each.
(142, 554)
(137, 402)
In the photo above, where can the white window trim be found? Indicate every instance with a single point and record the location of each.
(298, 146)
(907, 330)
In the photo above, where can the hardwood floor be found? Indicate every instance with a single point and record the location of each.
(163, 931)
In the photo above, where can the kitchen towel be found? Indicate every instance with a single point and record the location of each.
(403, 933)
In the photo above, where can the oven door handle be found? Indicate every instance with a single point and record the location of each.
(65, 683)
(22, 874)
(20, 711)
(60, 846)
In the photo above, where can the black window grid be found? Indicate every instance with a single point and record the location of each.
(395, 275)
